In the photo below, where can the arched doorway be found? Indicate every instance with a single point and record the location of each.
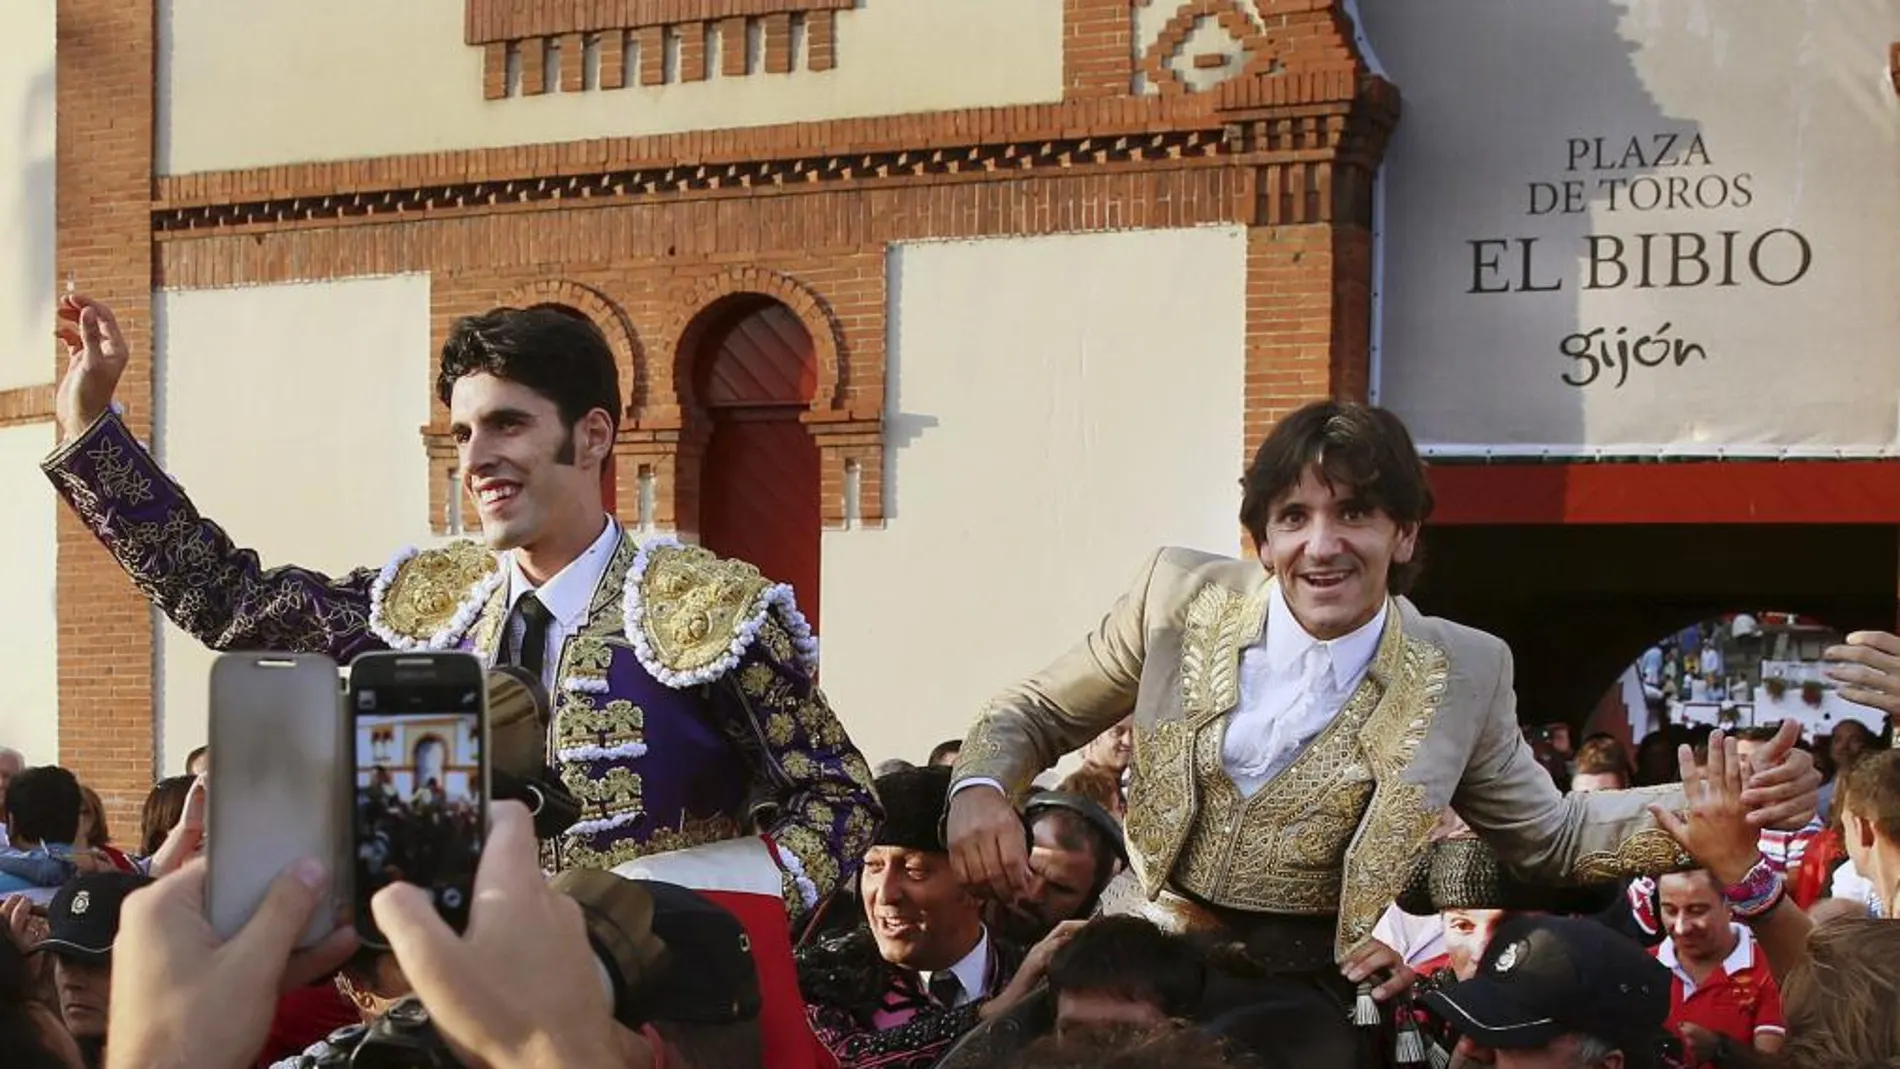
(753, 376)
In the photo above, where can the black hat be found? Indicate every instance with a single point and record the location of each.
(709, 976)
(1544, 977)
(915, 802)
(1467, 874)
(83, 918)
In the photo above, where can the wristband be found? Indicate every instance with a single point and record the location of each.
(1757, 893)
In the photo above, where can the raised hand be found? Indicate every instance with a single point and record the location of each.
(1715, 830)
(96, 356)
(1868, 669)
(1783, 788)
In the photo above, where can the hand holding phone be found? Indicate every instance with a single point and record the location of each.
(278, 729)
(420, 779)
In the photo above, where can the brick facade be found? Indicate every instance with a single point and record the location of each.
(106, 100)
(645, 234)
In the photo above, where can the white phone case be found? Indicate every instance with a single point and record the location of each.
(278, 792)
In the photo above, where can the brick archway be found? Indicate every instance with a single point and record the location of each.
(811, 310)
(609, 317)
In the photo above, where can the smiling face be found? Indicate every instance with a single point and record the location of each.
(1333, 552)
(917, 910)
(533, 478)
(1695, 916)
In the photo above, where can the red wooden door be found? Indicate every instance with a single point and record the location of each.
(759, 483)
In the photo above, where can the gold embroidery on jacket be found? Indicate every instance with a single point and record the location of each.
(694, 603)
(1161, 800)
(1220, 623)
(1649, 852)
(429, 588)
(1282, 850)
(1399, 817)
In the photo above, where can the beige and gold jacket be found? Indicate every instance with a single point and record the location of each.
(1433, 724)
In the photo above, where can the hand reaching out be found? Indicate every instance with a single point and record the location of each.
(183, 997)
(1715, 831)
(522, 989)
(1868, 668)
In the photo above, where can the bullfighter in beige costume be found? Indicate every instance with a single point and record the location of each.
(1299, 727)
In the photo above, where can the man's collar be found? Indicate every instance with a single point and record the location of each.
(568, 592)
(971, 970)
(1287, 641)
(1740, 958)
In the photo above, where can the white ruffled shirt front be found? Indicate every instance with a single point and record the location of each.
(1292, 685)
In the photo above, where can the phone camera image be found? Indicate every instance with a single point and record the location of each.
(419, 806)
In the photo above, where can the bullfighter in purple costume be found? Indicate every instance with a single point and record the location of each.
(684, 706)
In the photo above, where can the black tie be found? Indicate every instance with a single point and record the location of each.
(531, 651)
(944, 989)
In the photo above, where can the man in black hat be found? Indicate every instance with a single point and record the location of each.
(1560, 993)
(82, 923)
(923, 968)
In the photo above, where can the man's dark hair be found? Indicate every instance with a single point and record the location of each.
(43, 805)
(734, 1045)
(1360, 451)
(1129, 958)
(192, 757)
(1073, 832)
(1758, 732)
(557, 353)
(947, 746)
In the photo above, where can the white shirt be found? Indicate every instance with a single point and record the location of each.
(566, 595)
(1417, 939)
(1291, 686)
(1850, 884)
(972, 972)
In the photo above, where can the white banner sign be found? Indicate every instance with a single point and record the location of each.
(1641, 226)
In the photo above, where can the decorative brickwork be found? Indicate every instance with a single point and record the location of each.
(645, 235)
(545, 45)
(26, 404)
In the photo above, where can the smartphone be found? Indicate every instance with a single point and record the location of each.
(277, 798)
(420, 779)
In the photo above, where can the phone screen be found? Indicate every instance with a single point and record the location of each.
(420, 788)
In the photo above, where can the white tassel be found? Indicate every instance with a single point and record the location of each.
(1365, 1012)
(1437, 1056)
(1411, 1045)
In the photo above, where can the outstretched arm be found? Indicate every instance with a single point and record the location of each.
(182, 562)
(1508, 798)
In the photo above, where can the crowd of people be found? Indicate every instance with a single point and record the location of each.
(1308, 827)
(908, 968)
